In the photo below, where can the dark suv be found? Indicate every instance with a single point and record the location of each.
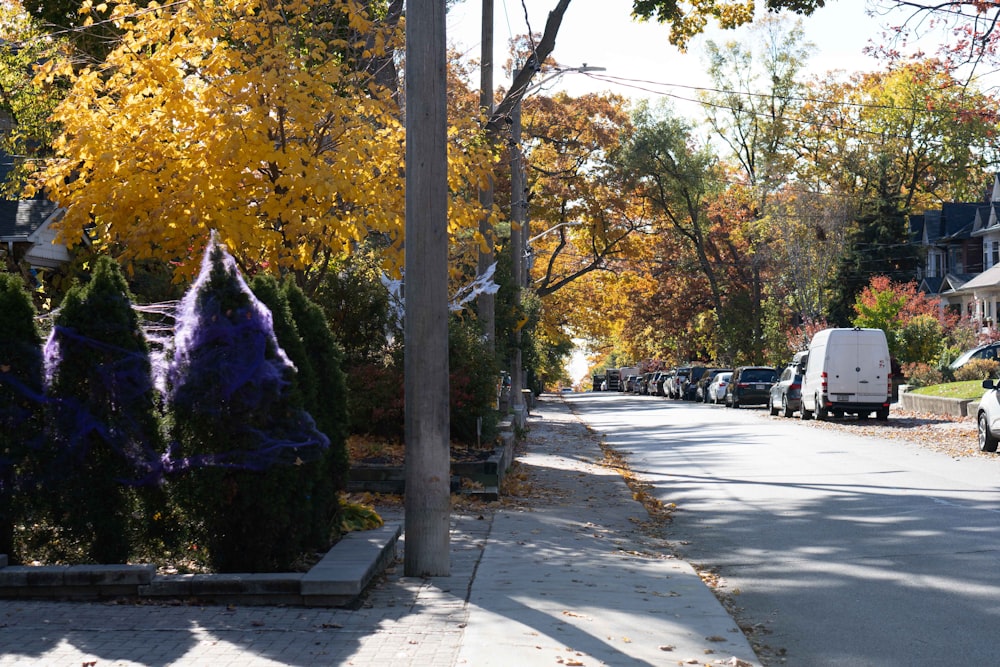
(750, 385)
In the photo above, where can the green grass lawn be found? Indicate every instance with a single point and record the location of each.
(970, 389)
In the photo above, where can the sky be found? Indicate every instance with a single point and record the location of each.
(602, 33)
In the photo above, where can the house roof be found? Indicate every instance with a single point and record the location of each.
(987, 218)
(931, 284)
(954, 221)
(990, 278)
(18, 219)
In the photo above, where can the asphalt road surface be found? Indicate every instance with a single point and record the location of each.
(834, 549)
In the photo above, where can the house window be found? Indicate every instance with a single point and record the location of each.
(955, 263)
(995, 253)
(935, 265)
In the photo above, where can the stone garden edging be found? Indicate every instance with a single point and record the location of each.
(337, 580)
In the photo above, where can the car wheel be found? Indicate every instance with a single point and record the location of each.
(987, 441)
(821, 413)
(804, 414)
(882, 415)
(736, 404)
(770, 405)
(785, 411)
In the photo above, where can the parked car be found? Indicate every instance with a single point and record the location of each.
(786, 393)
(701, 388)
(717, 387)
(849, 371)
(689, 388)
(676, 381)
(647, 380)
(988, 351)
(661, 383)
(750, 385)
(629, 385)
(988, 417)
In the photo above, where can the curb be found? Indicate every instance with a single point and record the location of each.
(336, 581)
(954, 407)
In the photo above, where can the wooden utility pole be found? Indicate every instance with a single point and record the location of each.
(428, 500)
(486, 302)
(518, 232)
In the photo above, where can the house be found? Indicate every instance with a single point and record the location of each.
(26, 235)
(962, 262)
(952, 251)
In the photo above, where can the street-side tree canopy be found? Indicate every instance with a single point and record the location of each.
(688, 19)
(257, 119)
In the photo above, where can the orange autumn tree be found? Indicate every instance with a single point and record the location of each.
(257, 118)
(913, 323)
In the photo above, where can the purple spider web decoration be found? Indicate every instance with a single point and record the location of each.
(228, 381)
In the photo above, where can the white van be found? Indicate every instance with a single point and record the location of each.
(848, 371)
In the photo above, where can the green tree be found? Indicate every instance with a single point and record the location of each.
(26, 103)
(103, 432)
(472, 378)
(921, 340)
(318, 383)
(21, 403)
(329, 404)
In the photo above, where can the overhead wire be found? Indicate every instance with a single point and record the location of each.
(843, 126)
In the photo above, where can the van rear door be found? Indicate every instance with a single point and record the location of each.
(858, 367)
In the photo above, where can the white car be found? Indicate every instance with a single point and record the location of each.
(717, 388)
(988, 417)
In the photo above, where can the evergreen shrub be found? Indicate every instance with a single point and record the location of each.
(473, 373)
(249, 454)
(101, 417)
(21, 378)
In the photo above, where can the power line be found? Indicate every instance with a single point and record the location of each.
(841, 125)
(635, 83)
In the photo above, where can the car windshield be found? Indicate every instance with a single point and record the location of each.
(962, 360)
(983, 352)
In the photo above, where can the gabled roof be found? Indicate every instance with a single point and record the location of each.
(931, 285)
(954, 221)
(987, 279)
(18, 219)
(957, 219)
(987, 219)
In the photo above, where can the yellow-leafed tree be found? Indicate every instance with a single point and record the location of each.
(261, 119)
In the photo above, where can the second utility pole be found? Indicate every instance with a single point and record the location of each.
(486, 302)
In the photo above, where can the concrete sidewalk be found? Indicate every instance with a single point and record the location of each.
(563, 575)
